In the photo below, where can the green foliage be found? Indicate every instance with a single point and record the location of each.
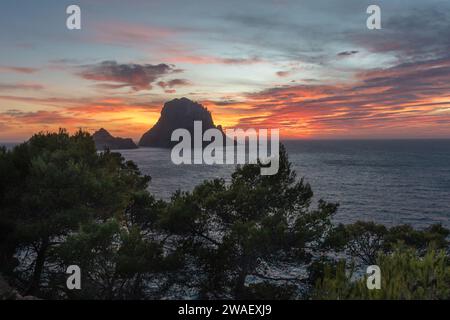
(434, 236)
(256, 237)
(364, 240)
(117, 262)
(51, 185)
(405, 274)
(241, 230)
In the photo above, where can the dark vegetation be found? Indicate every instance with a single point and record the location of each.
(258, 237)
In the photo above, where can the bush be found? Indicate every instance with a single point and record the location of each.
(405, 274)
(257, 237)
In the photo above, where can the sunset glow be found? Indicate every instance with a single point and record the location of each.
(312, 71)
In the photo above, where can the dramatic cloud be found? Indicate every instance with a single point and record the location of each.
(416, 34)
(398, 99)
(24, 70)
(20, 86)
(283, 73)
(85, 106)
(311, 70)
(347, 53)
(39, 117)
(239, 60)
(182, 57)
(3, 126)
(169, 86)
(136, 76)
(130, 115)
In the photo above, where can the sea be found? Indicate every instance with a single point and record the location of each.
(387, 181)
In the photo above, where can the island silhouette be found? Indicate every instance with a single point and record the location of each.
(177, 114)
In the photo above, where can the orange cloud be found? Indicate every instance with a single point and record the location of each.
(126, 117)
(410, 100)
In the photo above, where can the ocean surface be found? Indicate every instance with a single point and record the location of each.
(387, 181)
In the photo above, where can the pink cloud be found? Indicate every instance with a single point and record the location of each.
(175, 56)
(25, 70)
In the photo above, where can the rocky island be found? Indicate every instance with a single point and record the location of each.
(177, 113)
(104, 140)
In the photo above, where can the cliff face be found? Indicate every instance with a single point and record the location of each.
(176, 114)
(104, 140)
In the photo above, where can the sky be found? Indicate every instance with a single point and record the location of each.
(309, 68)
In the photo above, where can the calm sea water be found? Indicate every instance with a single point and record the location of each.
(390, 182)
